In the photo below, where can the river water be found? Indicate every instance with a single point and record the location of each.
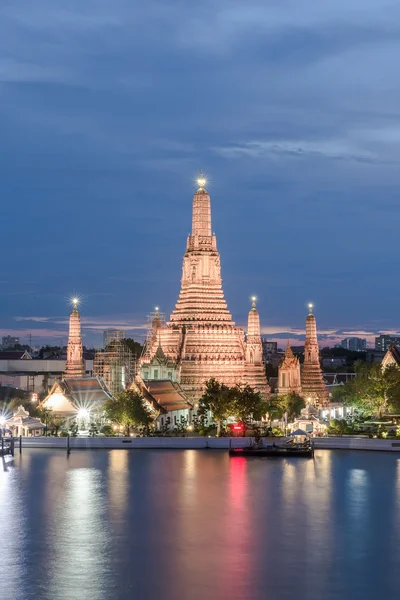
(197, 525)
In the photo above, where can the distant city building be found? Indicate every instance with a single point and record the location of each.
(355, 344)
(383, 342)
(112, 335)
(269, 347)
(333, 362)
(374, 356)
(9, 341)
(298, 349)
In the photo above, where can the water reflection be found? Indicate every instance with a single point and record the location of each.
(175, 525)
(118, 481)
(12, 529)
(80, 538)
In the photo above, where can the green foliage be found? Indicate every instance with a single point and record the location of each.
(129, 410)
(292, 404)
(55, 423)
(133, 346)
(73, 429)
(217, 399)
(338, 427)
(31, 407)
(277, 431)
(248, 405)
(374, 390)
(107, 430)
(240, 402)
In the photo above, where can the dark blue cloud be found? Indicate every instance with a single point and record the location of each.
(110, 109)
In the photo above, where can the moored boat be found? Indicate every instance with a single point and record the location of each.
(305, 451)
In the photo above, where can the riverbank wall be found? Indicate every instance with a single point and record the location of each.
(199, 443)
(161, 443)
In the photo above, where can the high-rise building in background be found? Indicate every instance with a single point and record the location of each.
(313, 387)
(9, 341)
(201, 337)
(355, 344)
(383, 342)
(112, 335)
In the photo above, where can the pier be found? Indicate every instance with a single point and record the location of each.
(7, 446)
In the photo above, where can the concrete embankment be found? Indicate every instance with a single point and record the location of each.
(354, 443)
(188, 443)
(200, 443)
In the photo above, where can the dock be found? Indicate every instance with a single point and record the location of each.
(7, 446)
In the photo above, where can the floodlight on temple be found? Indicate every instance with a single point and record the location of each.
(201, 181)
(310, 307)
(83, 413)
(2, 420)
(75, 300)
(253, 301)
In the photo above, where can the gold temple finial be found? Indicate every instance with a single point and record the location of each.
(310, 308)
(75, 302)
(253, 301)
(201, 181)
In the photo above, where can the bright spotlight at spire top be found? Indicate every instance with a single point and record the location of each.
(201, 181)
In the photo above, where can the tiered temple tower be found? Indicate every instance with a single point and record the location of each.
(255, 369)
(289, 373)
(75, 366)
(201, 336)
(313, 387)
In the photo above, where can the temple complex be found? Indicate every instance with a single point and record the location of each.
(201, 338)
(289, 379)
(314, 390)
(75, 366)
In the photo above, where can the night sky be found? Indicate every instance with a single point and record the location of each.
(109, 109)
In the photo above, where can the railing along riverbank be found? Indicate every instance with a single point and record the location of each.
(199, 443)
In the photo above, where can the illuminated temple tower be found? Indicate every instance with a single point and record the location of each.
(201, 337)
(75, 366)
(289, 380)
(313, 387)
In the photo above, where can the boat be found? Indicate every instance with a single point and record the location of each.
(295, 450)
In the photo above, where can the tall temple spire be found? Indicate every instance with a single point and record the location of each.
(253, 321)
(201, 218)
(75, 366)
(312, 383)
(201, 336)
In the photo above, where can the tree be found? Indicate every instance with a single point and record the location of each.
(55, 423)
(374, 390)
(217, 399)
(291, 404)
(338, 426)
(129, 410)
(133, 346)
(249, 405)
(28, 405)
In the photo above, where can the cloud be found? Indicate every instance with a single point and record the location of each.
(335, 149)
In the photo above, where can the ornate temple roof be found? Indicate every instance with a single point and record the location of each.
(70, 394)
